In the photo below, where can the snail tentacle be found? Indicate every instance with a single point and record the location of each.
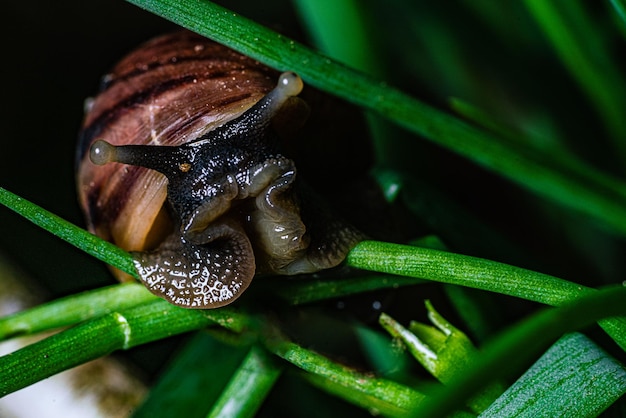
(204, 177)
(201, 196)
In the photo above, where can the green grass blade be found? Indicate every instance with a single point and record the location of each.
(463, 270)
(577, 379)
(384, 357)
(417, 263)
(476, 273)
(98, 337)
(87, 305)
(249, 386)
(70, 233)
(528, 339)
(382, 257)
(620, 9)
(75, 308)
(476, 309)
(370, 255)
(385, 396)
(60, 352)
(443, 350)
(194, 380)
(338, 28)
(598, 196)
(580, 46)
(124, 316)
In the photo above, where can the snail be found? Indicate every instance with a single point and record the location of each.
(179, 163)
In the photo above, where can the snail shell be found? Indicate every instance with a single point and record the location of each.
(178, 163)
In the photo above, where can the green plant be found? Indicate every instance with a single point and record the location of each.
(536, 144)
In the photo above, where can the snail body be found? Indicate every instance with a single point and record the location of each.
(178, 163)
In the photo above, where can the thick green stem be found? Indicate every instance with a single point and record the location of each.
(98, 337)
(75, 308)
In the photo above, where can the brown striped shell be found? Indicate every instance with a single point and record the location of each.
(167, 92)
(190, 178)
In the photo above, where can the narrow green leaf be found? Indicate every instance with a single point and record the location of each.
(90, 304)
(450, 343)
(338, 28)
(60, 352)
(599, 196)
(577, 379)
(580, 46)
(477, 273)
(527, 340)
(249, 386)
(383, 355)
(194, 380)
(616, 328)
(423, 352)
(98, 337)
(620, 9)
(463, 270)
(443, 350)
(75, 308)
(384, 396)
(69, 232)
(415, 262)
(476, 309)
